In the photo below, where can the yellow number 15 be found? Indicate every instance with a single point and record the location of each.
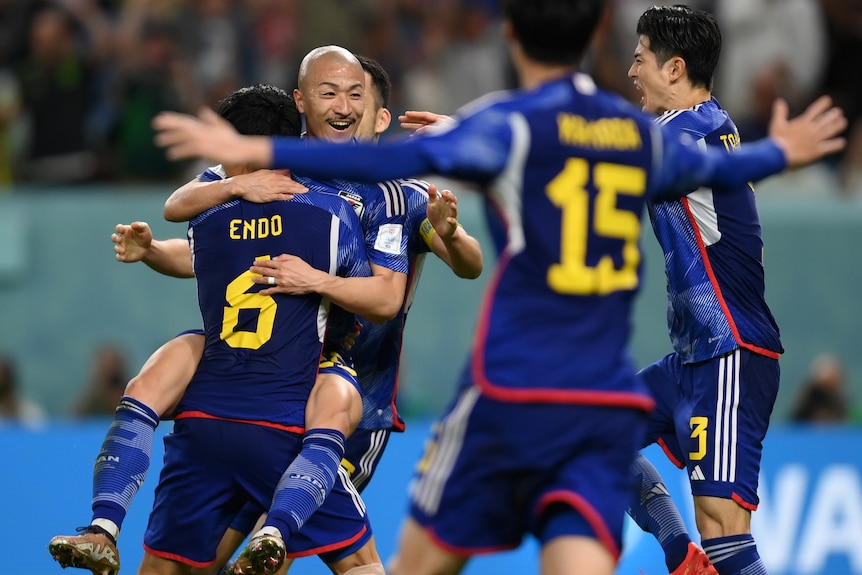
(568, 191)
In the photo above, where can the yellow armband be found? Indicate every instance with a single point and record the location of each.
(427, 231)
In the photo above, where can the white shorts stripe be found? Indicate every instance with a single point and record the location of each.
(427, 489)
(362, 474)
(726, 418)
(344, 477)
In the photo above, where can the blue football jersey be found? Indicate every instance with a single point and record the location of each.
(713, 249)
(569, 168)
(386, 209)
(262, 352)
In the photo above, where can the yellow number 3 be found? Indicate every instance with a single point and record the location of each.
(698, 432)
(238, 299)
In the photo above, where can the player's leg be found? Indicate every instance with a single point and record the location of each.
(333, 411)
(152, 565)
(731, 402)
(578, 510)
(124, 458)
(576, 556)
(418, 554)
(652, 507)
(363, 561)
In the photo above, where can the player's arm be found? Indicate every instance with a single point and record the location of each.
(209, 136)
(134, 243)
(447, 238)
(377, 298)
(475, 155)
(259, 186)
(791, 144)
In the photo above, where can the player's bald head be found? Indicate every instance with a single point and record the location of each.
(328, 56)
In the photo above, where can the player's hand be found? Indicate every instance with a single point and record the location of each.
(290, 275)
(208, 136)
(132, 241)
(811, 135)
(421, 122)
(262, 186)
(442, 212)
(350, 338)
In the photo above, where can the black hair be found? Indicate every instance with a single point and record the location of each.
(554, 31)
(261, 110)
(379, 77)
(682, 31)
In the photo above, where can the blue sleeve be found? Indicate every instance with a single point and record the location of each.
(475, 150)
(353, 259)
(682, 166)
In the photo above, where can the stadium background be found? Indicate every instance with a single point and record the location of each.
(63, 297)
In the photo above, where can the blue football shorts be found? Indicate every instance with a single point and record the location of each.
(494, 471)
(711, 417)
(213, 468)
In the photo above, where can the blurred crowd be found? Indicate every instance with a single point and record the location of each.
(81, 79)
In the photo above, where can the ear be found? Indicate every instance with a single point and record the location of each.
(676, 68)
(297, 97)
(384, 118)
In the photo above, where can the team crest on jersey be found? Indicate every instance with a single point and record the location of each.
(355, 201)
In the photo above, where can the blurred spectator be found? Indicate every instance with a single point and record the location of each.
(109, 373)
(152, 75)
(15, 16)
(459, 56)
(770, 49)
(13, 406)
(57, 79)
(276, 34)
(10, 105)
(216, 36)
(822, 398)
(844, 24)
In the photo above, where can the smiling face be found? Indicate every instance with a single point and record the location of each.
(331, 94)
(652, 80)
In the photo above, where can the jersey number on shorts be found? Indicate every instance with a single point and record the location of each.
(238, 299)
(698, 432)
(568, 191)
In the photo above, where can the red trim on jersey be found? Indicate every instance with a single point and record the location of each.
(743, 503)
(587, 511)
(539, 394)
(709, 272)
(331, 546)
(669, 455)
(177, 558)
(202, 415)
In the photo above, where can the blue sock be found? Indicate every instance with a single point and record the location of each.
(734, 555)
(307, 481)
(655, 512)
(124, 460)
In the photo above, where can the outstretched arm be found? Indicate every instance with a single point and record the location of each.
(448, 239)
(476, 157)
(260, 186)
(134, 243)
(792, 144)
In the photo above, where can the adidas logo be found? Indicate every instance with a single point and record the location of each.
(697, 474)
(656, 490)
